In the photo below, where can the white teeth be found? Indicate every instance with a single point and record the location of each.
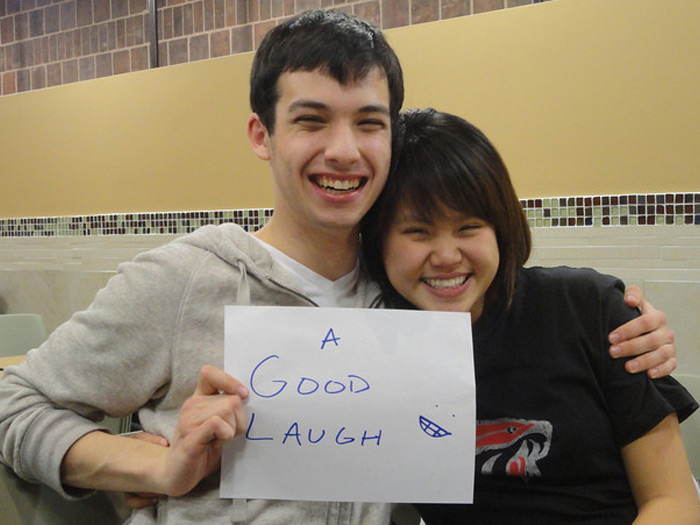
(446, 283)
(338, 185)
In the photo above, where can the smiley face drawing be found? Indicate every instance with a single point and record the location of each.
(431, 428)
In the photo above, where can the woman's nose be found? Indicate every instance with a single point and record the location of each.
(445, 253)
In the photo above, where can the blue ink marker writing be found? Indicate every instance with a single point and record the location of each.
(304, 391)
(345, 440)
(248, 433)
(431, 428)
(306, 385)
(330, 337)
(334, 387)
(252, 378)
(352, 384)
(365, 437)
(292, 432)
(323, 433)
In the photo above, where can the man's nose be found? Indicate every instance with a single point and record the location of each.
(342, 148)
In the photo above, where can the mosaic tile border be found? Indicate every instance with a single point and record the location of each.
(154, 223)
(668, 209)
(658, 209)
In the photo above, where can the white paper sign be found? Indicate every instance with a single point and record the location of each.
(352, 405)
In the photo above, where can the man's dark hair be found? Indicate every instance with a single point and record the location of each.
(343, 46)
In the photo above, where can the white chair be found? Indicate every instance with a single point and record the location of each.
(19, 333)
(690, 428)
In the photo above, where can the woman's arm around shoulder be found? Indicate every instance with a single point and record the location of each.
(660, 477)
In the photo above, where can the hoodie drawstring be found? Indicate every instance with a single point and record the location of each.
(243, 292)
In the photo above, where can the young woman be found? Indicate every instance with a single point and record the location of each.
(564, 433)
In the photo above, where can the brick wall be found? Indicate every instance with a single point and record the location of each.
(45, 43)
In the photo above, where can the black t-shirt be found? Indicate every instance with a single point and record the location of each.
(554, 409)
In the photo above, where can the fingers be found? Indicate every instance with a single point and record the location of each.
(211, 383)
(216, 409)
(198, 410)
(652, 321)
(215, 428)
(655, 352)
(634, 296)
(137, 501)
(212, 380)
(150, 438)
(240, 418)
(655, 363)
(213, 415)
(645, 333)
(639, 336)
(206, 422)
(663, 369)
(648, 337)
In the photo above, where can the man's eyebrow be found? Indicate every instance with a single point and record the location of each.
(314, 104)
(307, 104)
(376, 108)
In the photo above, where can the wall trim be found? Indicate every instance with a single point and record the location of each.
(657, 209)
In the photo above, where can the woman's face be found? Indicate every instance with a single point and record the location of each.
(445, 264)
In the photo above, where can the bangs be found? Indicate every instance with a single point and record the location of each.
(436, 177)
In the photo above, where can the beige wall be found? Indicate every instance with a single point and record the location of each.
(581, 97)
(157, 140)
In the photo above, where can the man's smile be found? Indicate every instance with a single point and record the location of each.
(338, 184)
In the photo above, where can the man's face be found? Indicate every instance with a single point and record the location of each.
(330, 150)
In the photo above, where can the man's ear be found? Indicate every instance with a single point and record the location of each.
(259, 137)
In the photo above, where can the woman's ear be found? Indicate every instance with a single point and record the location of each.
(259, 137)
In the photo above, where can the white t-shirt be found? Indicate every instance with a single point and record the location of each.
(320, 290)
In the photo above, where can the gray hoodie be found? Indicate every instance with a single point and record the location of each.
(139, 348)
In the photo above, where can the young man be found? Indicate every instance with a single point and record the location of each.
(325, 90)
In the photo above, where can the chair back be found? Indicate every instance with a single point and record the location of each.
(690, 428)
(19, 333)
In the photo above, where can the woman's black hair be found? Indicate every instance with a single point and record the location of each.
(441, 160)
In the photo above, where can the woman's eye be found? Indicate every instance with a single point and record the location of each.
(415, 231)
